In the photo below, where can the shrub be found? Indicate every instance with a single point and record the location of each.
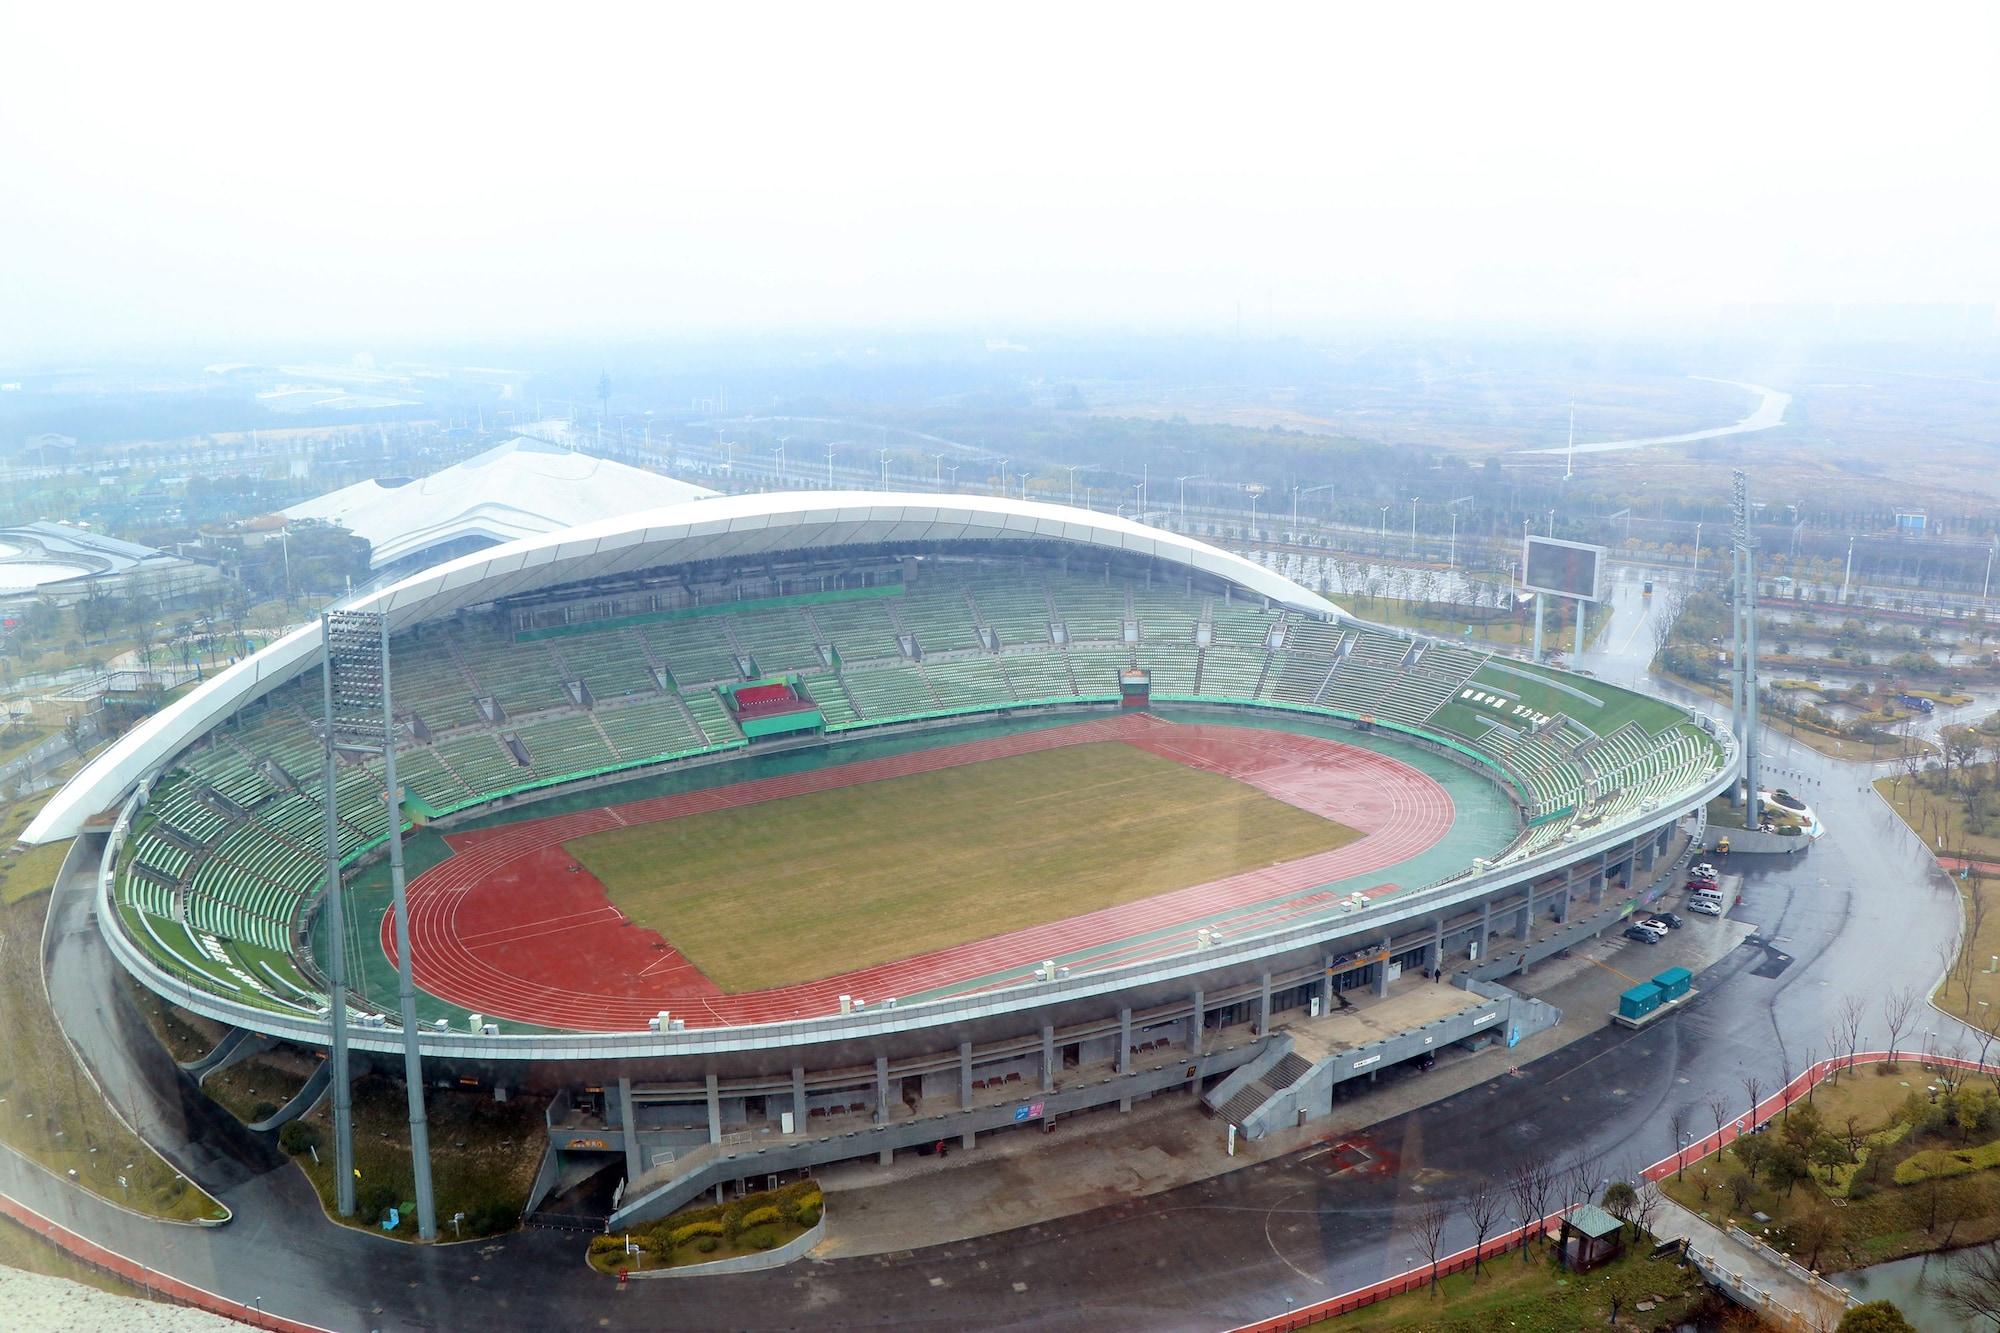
(708, 1244)
(262, 1111)
(696, 1231)
(606, 1244)
(297, 1137)
(759, 1238)
(760, 1217)
(807, 1214)
(1860, 1188)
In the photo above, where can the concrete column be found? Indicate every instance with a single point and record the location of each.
(1485, 928)
(1264, 1005)
(634, 1166)
(1525, 924)
(1597, 883)
(965, 1074)
(1048, 1057)
(881, 1089)
(1326, 983)
(1434, 951)
(1382, 970)
(1569, 896)
(1194, 1026)
(799, 1107)
(714, 1111)
(1125, 1053)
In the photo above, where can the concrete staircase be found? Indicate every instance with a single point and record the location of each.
(1262, 1089)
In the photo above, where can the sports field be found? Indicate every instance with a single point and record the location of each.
(778, 893)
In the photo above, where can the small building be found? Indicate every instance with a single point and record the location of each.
(1589, 1237)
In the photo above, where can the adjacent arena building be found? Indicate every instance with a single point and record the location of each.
(772, 830)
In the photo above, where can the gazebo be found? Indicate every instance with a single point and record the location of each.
(1589, 1237)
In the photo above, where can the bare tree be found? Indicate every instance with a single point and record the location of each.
(1849, 1016)
(1427, 1229)
(1529, 1183)
(1753, 1088)
(1646, 1207)
(1677, 1122)
(1484, 1207)
(1718, 1106)
(1897, 1007)
(1971, 1286)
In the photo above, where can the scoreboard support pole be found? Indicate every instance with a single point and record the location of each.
(1536, 657)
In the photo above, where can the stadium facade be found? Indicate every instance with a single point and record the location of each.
(585, 658)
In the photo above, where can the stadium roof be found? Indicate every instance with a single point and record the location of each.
(722, 528)
(522, 488)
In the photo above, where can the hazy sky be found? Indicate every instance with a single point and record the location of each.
(179, 175)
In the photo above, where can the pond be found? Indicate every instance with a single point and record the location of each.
(1901, 1281)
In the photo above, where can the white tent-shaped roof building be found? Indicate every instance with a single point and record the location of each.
(522, 488)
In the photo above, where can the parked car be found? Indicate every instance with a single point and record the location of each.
(1641, 933)
(1706, 906)
(1670, 920)
(1706, 870)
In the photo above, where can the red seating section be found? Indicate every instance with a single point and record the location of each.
(767, 700)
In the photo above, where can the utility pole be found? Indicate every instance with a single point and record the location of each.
(1848, 575)
(336, 961)
(1569, 455)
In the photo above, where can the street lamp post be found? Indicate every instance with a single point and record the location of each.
(829, 464)
(1385, 527)
(938, 473)
(1003, 475)
(1413, 524)
(1182, 483)
(885, 467)
(1071, 469)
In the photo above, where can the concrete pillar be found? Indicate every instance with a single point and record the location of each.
(1382, 970)
(634, 1166)
(1194, 1025)
(1524, 925)
(1326, 983)
(1048, 1057)
(966, 1140)
(1485, 928)
(1434, 951)
(799, 1108)
(1569, 896)
(1125, 1053)
(881, 1089)
(714, 1111)
(1264, 1005)
(965, 1074)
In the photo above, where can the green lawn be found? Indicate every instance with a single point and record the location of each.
(1535, 1297)
(772, 894)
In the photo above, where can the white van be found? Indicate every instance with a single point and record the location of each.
(1706, 897)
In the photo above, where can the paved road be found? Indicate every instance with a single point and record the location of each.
(1863, 906)
(1769, 412)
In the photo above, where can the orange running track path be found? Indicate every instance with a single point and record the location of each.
(506, 927)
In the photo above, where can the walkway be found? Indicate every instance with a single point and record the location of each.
(1755, 1275)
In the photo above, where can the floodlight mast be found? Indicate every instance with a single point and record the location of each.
(336, 963)
(361, 717)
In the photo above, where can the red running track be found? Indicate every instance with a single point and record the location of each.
(506, 928)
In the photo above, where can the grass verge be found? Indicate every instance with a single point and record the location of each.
(22, 1249)
(51, 1112)
(1537, 1297)
(772, 894)
(483, 1156)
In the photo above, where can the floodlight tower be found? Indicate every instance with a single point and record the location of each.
(360, 719)
(1743, 618)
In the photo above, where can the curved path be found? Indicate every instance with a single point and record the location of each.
(1770, 411)
(506, 927)
(1862, 906)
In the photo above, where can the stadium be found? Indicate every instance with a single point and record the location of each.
(772, 830)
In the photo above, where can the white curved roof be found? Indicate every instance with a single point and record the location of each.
(522, 488)
(721, 528)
